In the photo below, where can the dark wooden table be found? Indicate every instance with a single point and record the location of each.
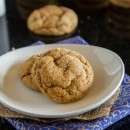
(94, 27)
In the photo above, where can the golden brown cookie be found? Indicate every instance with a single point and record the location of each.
(25, 73)
(121, 3)
(52, 20)
(62, 75)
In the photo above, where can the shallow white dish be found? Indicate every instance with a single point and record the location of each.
(108, 74)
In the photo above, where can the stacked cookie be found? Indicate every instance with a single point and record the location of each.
(119, 18)
(52, 20)
(91, 4)
(60, 74)
(46, 21)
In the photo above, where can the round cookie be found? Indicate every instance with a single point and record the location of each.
(52, 20)
(63, 75)
(25, 73)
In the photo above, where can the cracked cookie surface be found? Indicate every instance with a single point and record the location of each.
(62, 75)
(25, 73)
(52, 20)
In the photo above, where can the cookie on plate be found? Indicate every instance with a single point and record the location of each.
(63, 75)
(52, 20)
(25, 73)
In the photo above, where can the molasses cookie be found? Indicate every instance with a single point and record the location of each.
(25, 73)
(52, 20)
(62, 75)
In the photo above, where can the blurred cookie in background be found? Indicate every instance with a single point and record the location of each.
(90, 5)
(120, 10)
(121, 3)
(115, 30)
(52, 20)
(118, 19)
(25, 7)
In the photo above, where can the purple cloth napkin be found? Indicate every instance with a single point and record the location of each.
(119, 110)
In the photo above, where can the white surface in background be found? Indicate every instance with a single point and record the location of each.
(2, 7)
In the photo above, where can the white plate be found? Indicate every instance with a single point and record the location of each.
(107, 66)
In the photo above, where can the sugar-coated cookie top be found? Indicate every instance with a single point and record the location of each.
(62, 75)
